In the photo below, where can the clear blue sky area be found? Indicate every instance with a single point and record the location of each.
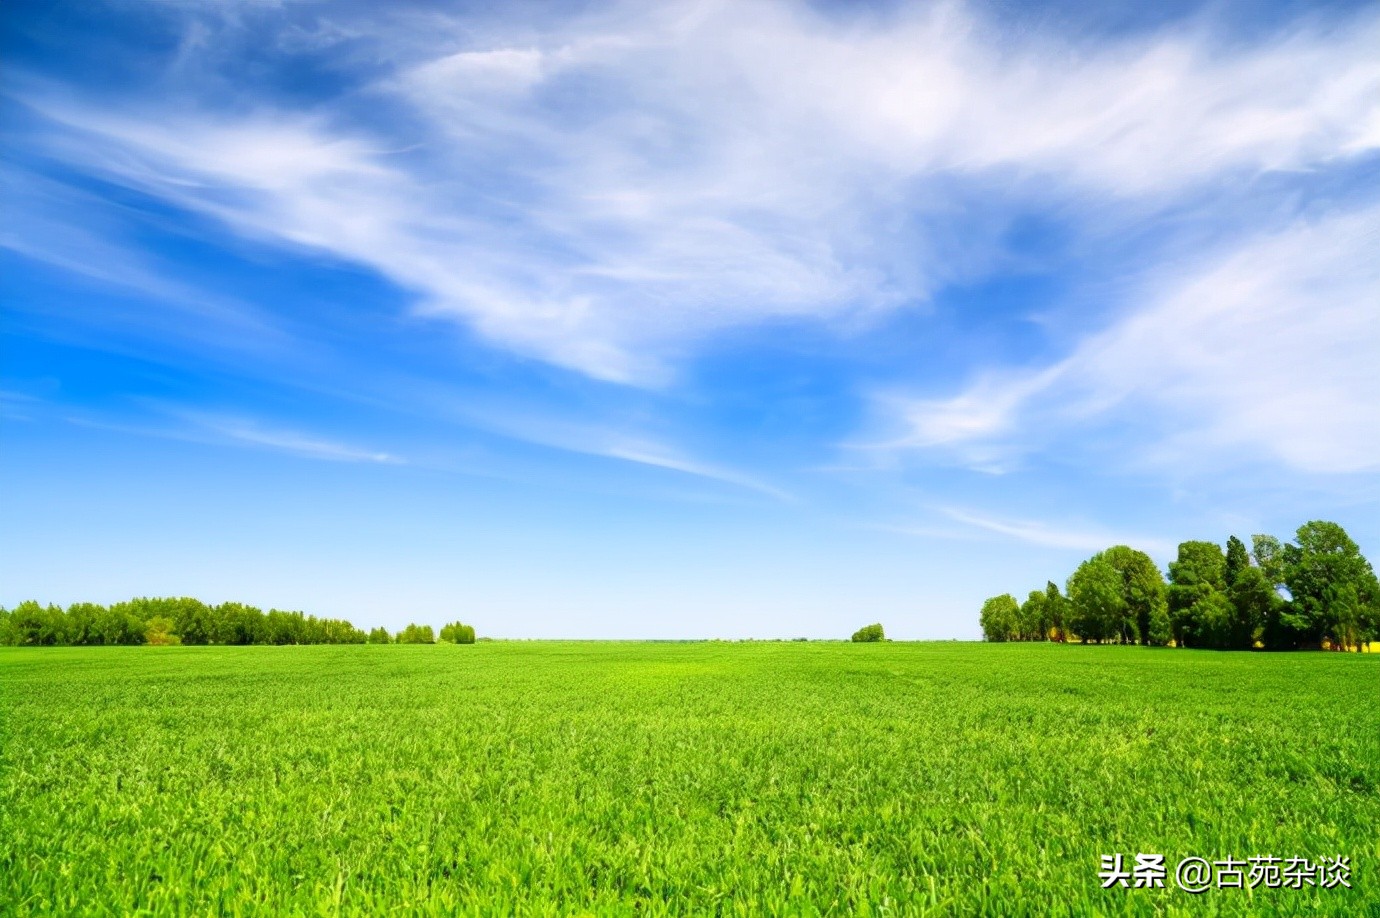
(706, 319)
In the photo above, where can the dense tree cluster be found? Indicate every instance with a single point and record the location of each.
(457, 633)
(1318, 590)
(417, 634)
(190, 621)
(869, 634)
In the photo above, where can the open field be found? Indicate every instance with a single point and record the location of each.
(621, 778)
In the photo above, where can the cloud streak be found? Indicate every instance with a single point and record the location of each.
(1048, 535)
(1267, 351)
(605, 191)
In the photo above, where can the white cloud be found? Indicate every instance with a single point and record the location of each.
(293, 442)
(201, 427)
(1267, 351)
(592, 439)
(1047, 535)
(602, 191)
(649, 454)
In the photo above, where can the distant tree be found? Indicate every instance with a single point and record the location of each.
(38, 626)
(417, 634)
(236, 623)
(169, 620)
(380, 636)
(1056, 608)
(1195, 576)
(283, 627)
(1098, 606)
(1034, 617)
(122, 624)
(1000, 618)
(191, 618)
(1146, 615)
(457, 633)
(82, 619)
(869, 634)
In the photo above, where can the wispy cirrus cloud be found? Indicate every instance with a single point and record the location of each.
(238, 431)
(1056, 535)
(605, 190)
(1265, 351)
(249, 433)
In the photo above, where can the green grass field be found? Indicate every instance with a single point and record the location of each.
(688, 779)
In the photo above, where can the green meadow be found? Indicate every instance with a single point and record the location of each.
(687, 779)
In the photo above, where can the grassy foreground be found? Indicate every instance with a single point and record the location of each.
(625, 778)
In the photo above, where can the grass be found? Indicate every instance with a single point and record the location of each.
(625, 778)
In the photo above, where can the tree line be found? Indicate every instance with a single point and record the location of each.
(1315, 591)
(184, 620)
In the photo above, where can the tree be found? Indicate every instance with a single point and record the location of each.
(236, 623)
(380, 636)
(1000, 618)
(1146, 616)
(1197, 573)
(81, 622)
(416, 634)
(1332, 587)
(1098, 607)
(160, 632)
(1056, 608)
(457, 633)
(121, 624)
(1247, 592)
(1034, 617)
(34, 625)
(283, 627)
(1255, 606)
(1269, 557)
(869, 634)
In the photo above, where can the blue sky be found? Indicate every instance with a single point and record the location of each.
(705, 319)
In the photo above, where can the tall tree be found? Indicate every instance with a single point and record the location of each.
(1098, 607)
(1332, 587)
(1255, 605)
(1249, 606)
(1035, 617)
(1195, 576)
(1146, 616)
(236, 623)
(1056, 607)
(1268, 552)
(82, 619)
(1000, 618)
